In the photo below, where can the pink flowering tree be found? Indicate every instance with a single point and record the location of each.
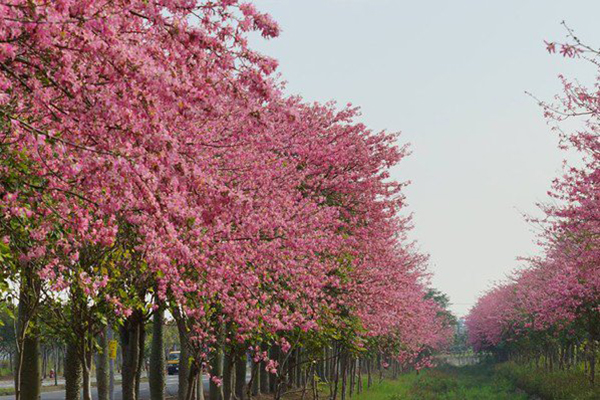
(149, 160)
(553, 307)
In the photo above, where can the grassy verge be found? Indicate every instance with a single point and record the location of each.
(479, 382)
(11, 391)
(557, 385)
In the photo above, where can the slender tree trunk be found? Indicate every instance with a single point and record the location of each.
(141, 358)
(87, 372)
(351, 371)
(240, 375)
(200, 385)
(184, 360)
(344, 370)
(28, 375)
(44, 362)
(255, 378)
(56, 366)
(156, 374)
(273, 379)
(264, 375)
(111, 366)
(102, 378)
(216, 370)
(130, 340)
(310, 370)
(326, 374)
(335, 372)
(314, 387)
(359, 377)
(298, 368)
(192, 384)
(592, 348)
(227, 376)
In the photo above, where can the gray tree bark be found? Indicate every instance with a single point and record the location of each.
(86, 355)
(216, 369)
(157, 357)
(28, 376)
(73, 372)
(102, 378)
(184, 360)
(228, 374)
(264, 375)
(240, 375)
(130, 340)
(255, 378)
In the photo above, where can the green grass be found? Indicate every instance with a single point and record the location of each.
(11, 391)
(556, 385)
(446, 383)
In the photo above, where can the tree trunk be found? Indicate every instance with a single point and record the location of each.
(87, 371)
(592, 361)
(335, 375)
(369, 374)
(44, 362)
(344, 372)
(262, 372)
(28, 374)
(130, 340)
(274, 355)
(73, 372)
(30, 370)
(216, 370)
(184, 360)
(86, 357)
(359, 376)
(298, 368)
(192, 384)
(227, 376)
(141, 358)
(200, 385)
(255, 378)
(156, 374)
(352, 372)
(55, 365)
(240, 375)
(102, 366)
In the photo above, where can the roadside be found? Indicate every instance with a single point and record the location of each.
(565, 384)
(449, 383)
(58, 393)
(49, 385)
(8, 383)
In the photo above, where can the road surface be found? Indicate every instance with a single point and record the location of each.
(171, 390)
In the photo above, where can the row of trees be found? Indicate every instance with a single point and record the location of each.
(549, 312)
(152, 168)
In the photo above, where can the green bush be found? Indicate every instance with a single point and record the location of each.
(446, 383)
(556, 385)
(464, 383)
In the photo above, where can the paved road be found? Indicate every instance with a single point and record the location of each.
(172, 385)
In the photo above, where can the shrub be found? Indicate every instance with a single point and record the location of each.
(555, 385)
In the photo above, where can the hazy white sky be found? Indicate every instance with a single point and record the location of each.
(451, 76)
